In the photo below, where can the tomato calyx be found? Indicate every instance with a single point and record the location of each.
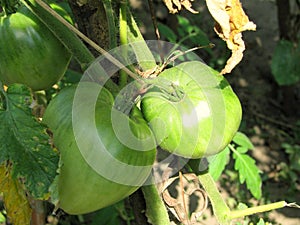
(128, 97)
(165, 88)
(176, 94)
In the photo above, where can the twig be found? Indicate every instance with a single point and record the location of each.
(123, 39)
(182, 194)
(273, 120)
(293, 205)
(156, 31)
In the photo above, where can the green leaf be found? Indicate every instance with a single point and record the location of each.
(242, 206)
(184, 25)
(261, 222)
(217, 163)
(143, 54)
(2, 218)
(25, 143)
(242, 150)
(191, 34)
(293, 152)
(106, 216)
(166, 32)
(248, 172)
(285, 63)
(242, 140)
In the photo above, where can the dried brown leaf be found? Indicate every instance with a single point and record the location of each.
(187, 189)
(188, 5)
(15, 201)
(231, 21)
(175, 6)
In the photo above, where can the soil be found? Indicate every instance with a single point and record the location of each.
(264, 106)
(265, 117)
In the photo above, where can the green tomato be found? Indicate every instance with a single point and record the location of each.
(97, 169)
(30, 53)
(199, 118)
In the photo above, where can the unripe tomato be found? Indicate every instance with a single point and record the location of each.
(29, 52)
(199, 118)
(91, 175)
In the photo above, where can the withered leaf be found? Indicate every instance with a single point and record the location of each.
(175, 6)
(15, 201)
(188, 190)
(231, 21)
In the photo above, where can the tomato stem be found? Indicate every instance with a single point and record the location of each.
(156, 211)
(123, 39)
(38, 212)
(156, 30)
(111, 23)
(257, 209)
(222, 211)
(220, 208)
(3, 97)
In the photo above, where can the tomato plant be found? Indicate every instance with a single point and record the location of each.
(200, 122)
(30, 53)
(88, 148)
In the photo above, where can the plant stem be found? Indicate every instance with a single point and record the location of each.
(123, 39)
(221, 210)
(257, 209)
(38, 216)
(155, 26)
(111, 23)
(3, 96)
(156, 211)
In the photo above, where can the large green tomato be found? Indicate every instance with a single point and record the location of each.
(29, 53)
(93, 176)
(199, 118)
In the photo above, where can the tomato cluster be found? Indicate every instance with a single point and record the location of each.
(192, 116)
(106, 155)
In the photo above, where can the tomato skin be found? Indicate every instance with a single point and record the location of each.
(30, 53)
(80, 188)
(203, 122)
